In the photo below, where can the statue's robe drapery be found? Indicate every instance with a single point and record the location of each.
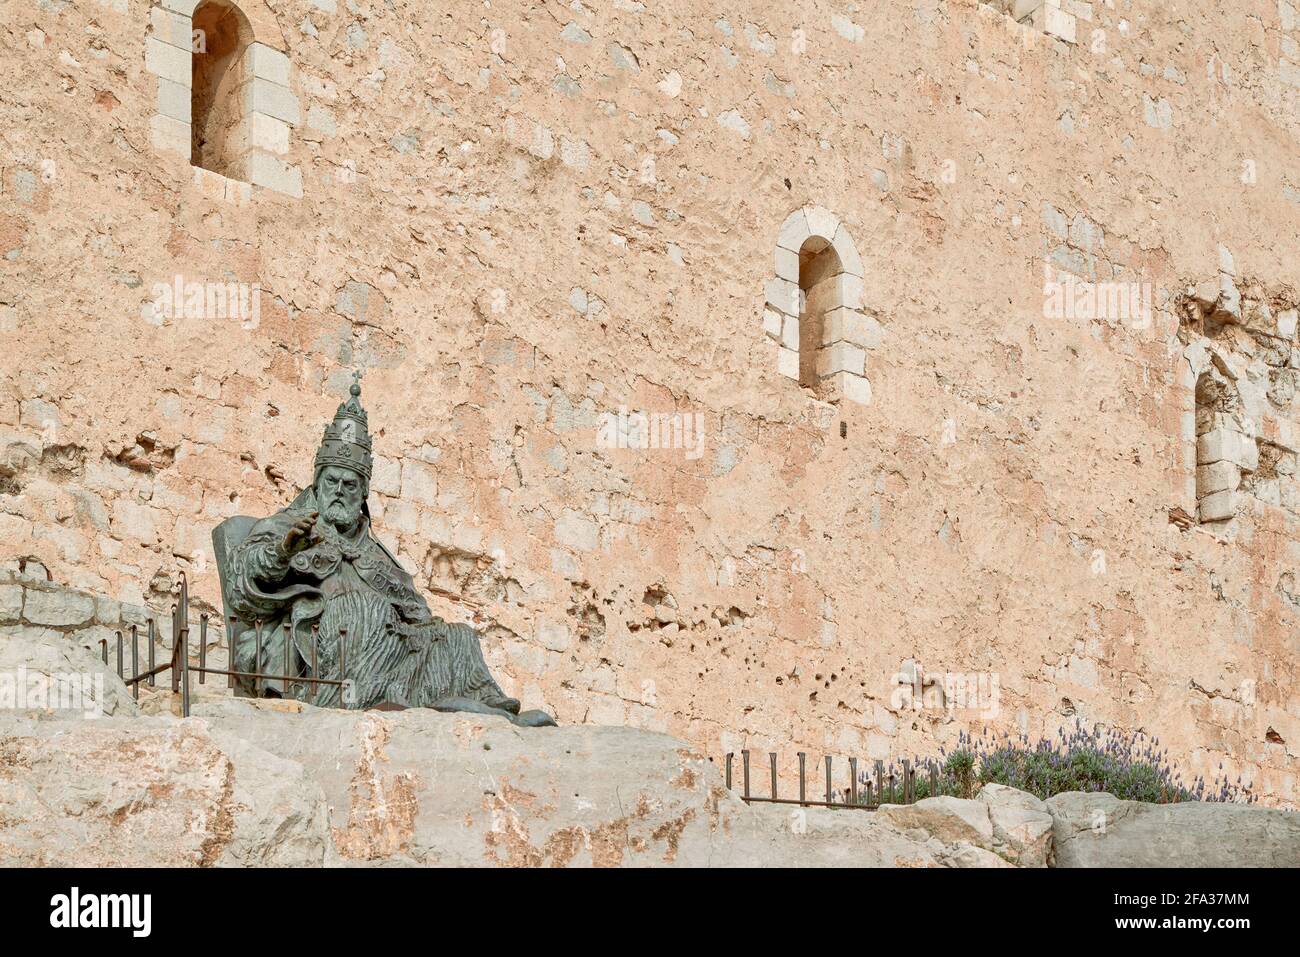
(396, 650)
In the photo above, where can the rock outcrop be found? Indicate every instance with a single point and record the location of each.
(152, 792)
(264, 782)
(1100, 830)
(244, 783)
(1022, 825)
(60, 677)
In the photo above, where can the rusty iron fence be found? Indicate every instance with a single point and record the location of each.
(180, 666)
(864, 791)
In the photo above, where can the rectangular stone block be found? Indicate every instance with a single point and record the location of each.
(172, 28)
(268, 133)
(273, 173)
(1059, 24)
(787, 264)
(848, 325)
(857, 389)
(821, 222)
(183, 7)
(58, 607)
(772, 323)
(793, 232)
(170, 135)
(1226, 445)
(1218, 507)
(174, 99)
(787, 363)
(267, 63)
(11, 603)
(165, 60)
(783, 296)
(849, 289)
(841, 357)
(1219, 477)
(1284, 434)
(847, 251)
(790, 333)
(263, 96)
(846, 385)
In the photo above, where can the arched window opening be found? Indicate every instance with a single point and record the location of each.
(813, 308)
(819, 295)
(222, 36)
(1225, 445)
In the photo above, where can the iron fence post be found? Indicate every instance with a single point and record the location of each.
(203, 648)
(135, 660)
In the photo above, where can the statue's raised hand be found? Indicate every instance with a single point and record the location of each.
(302, 534)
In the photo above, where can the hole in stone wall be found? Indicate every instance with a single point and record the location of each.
(222, 37)
(819, 269)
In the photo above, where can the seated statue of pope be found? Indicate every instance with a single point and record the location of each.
(316, 566)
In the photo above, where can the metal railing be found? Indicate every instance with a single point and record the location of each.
(863, 792)
(180, 666)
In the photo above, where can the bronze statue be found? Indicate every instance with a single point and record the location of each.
(315, 563)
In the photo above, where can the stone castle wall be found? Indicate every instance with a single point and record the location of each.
(521, 219)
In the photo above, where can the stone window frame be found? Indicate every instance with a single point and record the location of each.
(848, 334)
(1223, 450)
(270, 106)
(1056, 18)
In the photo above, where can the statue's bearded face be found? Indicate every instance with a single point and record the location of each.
(340, 493)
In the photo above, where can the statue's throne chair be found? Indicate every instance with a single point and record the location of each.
(226, 537)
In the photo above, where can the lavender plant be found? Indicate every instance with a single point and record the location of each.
(1131, 766)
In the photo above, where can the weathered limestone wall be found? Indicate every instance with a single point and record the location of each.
(33, 608)
(521, 217)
